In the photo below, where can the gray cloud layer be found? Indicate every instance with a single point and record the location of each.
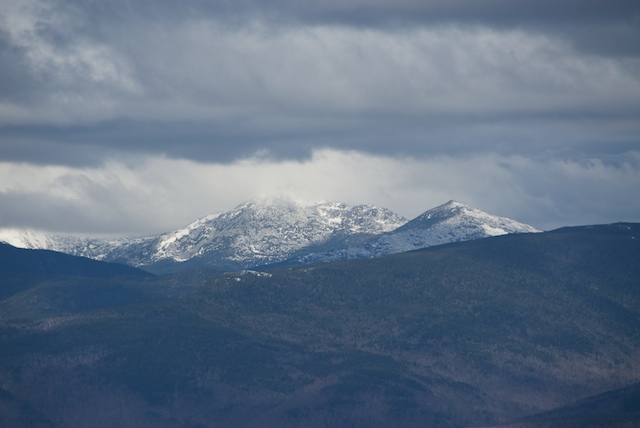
(217, 81)
(162, 194)
(532, 107)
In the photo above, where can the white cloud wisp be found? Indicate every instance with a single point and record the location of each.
(162, 194)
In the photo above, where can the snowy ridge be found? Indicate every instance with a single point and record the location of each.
(30, 239)
(270, 230)
(274, 230)
(94, 248)
(450, 222)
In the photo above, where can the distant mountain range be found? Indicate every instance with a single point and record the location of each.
(272, 231)
(447, 223)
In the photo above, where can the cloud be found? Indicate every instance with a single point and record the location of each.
(218, 82)
(159, 194)
(591, 25)
(113, 110)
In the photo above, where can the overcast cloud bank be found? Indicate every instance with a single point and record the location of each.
(113, 110)
(162, 194)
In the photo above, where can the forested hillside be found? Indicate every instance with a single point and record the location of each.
(478, 333)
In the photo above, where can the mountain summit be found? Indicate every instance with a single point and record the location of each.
(270, 230)
(449, 222)
(463, 220)
(274, 230)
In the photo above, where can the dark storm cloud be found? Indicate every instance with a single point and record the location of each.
(138, 116)
(81, 81)
(366, 12)
(204, 142)
(608, 27)
(92, 144)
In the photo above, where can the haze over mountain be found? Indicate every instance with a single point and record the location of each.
(275, 230)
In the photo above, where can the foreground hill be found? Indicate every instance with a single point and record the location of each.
(476, 333)
(44, 263)
(36, 284)
(275, 230)
(22, 269)
(618, 408)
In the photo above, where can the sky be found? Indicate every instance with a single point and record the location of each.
(136, 117)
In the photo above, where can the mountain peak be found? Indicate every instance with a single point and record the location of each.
(449, 222)
(270, 229)
(446, 210)
(457, 215)
(453, 204)
(275, 228)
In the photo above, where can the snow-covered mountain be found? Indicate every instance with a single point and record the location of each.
(450, 222)
(269, 231)
(260, 232)
(274, 230)
(95, 248)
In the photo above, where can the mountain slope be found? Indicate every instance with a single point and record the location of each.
(275, 230)
(472, 333)
(38, 282)
(271, 230)
(450, 222)
(617, 408)
(42, 283)
(45, 263)
(103, 249)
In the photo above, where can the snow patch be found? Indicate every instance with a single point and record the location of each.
(493, 231)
